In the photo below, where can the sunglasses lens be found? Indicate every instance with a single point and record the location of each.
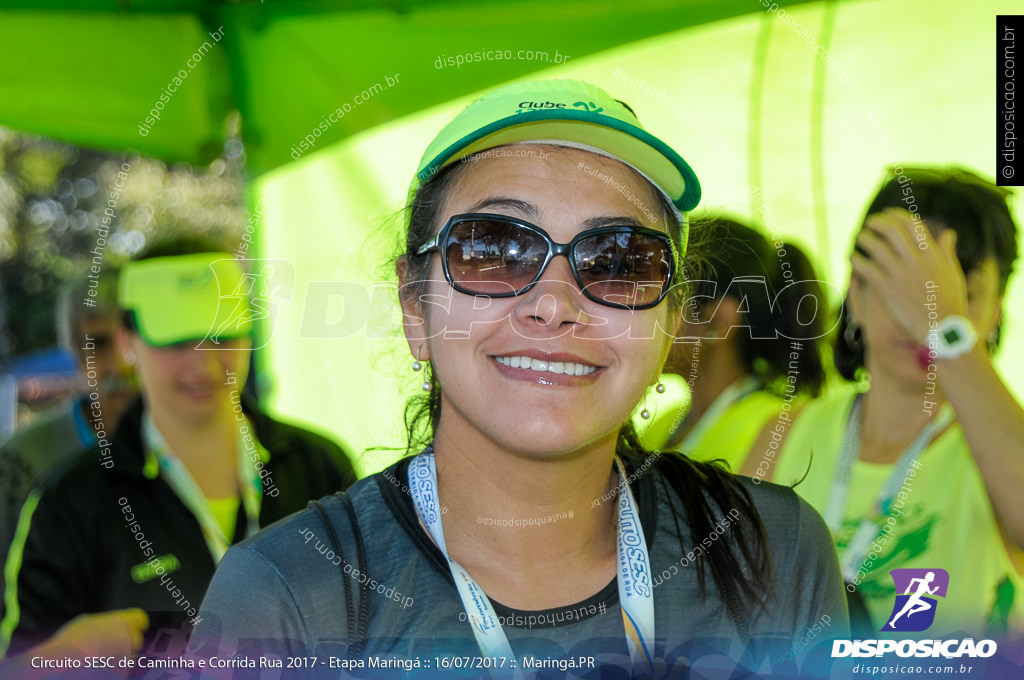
(490, 257)
(623, 268)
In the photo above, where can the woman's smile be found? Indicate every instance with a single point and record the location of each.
(548, 368)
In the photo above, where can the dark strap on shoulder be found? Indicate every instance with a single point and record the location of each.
(364, 587)
(357, 610)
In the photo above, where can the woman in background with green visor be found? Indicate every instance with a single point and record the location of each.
(138, 523)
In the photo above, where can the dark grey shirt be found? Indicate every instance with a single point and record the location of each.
(289, 593)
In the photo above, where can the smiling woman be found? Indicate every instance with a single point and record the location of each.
(540, 299)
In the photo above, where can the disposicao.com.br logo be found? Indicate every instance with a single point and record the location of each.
(913, 612)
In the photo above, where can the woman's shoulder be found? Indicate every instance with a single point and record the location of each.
(777, 504)
(340, 524)
(788, 519)
(685, 473)
(308, 562)
(796, 532)
(799, 554)
(333, 510)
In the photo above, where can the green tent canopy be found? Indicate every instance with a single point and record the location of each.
(92, 72)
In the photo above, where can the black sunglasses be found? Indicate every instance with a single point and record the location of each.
(626, 266)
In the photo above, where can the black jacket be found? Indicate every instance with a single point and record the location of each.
(81, 557)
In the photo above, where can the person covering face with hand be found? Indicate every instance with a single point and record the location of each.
(921, 467)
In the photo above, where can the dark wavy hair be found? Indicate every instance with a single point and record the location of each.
(735, 260)
(742, 567)
(951, 198)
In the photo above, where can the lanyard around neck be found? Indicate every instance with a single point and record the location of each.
(83, 428)
(160, 458)
(870, 526)
(636, 595)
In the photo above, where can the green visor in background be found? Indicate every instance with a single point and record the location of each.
(187, 298)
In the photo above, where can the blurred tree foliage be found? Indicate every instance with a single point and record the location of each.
(52, 201)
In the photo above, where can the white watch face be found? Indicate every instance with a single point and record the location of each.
(954, 336)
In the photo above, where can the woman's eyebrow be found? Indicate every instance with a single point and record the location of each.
(533, 212)
(520, 206)
(612, 221)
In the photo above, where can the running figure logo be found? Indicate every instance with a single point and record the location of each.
(914, 610)
(255, 298)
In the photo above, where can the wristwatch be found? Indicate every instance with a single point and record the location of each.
(954, 336)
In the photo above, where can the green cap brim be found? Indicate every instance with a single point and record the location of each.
(579, 113)
(186, 298)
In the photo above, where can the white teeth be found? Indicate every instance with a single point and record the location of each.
(560, 367)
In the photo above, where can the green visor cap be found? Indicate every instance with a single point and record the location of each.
(567, 112)
(186, 298)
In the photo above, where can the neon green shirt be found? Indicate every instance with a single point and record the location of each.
(727, 435)
(225, 511)
(947, 522)
(734, 433)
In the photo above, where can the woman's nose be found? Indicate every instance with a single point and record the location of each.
(554, 302)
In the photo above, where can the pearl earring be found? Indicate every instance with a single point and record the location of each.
(418, 366)
(645, 413)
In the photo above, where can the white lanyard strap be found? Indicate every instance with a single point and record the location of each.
(859, 546)
(486, 628)
(636, 594)
(177, 476)
(633, 576)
